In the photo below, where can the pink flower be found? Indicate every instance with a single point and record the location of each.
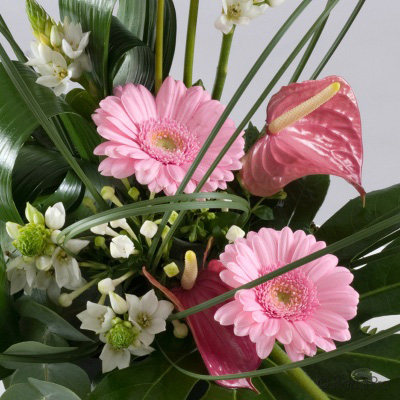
(157, 139)
(314, 127)
(303, 309)
(222, 351)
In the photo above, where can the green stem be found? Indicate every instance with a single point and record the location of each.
(297, 374)
(159, 44)
(190, 41)
(222, 69)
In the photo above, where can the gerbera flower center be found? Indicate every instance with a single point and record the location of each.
(168, 141)
(292, 296)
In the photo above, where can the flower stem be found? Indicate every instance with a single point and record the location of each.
(123, 278)
(222, 69)
(159, 45)
(190, 41)
(297, 374)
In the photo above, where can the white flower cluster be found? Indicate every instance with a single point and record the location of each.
(121, 246)
(43, 264)
(240, 12)
(64, 60)
(130, 333)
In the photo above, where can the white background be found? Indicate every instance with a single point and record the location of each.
(368, 59)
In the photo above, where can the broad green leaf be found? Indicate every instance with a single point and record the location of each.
(140, 18)
(68, 375)
(264, 212)
(28, 308)
(131, 60)
(347, 376)
(52, 391)
(22, 391)
(95, 16)
(304, 198)
(378, 284)
(14, 130)
(36, 331)
(9, 331)
(81, 101)
(353, 217)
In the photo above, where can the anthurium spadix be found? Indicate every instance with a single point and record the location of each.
(222, 351)
(313, 127)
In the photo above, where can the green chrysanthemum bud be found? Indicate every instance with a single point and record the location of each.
(40, 21)
(32, 240)
(122, 335)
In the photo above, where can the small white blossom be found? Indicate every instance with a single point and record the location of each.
(238, 12)
(55, 216)
(67, 270)
(75, 41)
(106, 286)
(120, 358)
(121, 247)
(274, 3)
(149, 229)
(96, 318)
(118, 304)
(43, 263)
(12, 229)
(21, 274)
(234, 233)
(149, 313)
(103, 229)
(123, 224)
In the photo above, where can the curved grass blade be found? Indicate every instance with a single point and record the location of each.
(298, 364)
(331, 249)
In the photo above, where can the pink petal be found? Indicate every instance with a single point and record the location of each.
(169, 96)
(327, 141)
(331, 319)
(264, 346)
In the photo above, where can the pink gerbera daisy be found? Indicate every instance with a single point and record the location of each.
(303, 309)
(157, 139)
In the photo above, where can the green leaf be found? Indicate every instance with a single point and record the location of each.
(52, 391)
(131, 60)
(22, 391)
(82, 103)
(140, 18)
(378, 284)
(217, 392)
(28, 308)
(9, 331)
(264, 212)
(67, 375)
(251, 135)
(353, 217)
(342, 377)
(95, 16)
(304, 198)
(153, 378)
(36, 331)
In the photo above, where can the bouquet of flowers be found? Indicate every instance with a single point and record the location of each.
(152, 248)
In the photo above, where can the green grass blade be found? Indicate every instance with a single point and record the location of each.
(10, 39)
(338, 40)
(47, 125)
(298, 364)
(331, 249)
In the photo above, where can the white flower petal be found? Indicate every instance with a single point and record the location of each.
(48, 81)
(149, 303)
(164, 309)
(157, 325)
(223, 24)
(76, 245)
(55, 216)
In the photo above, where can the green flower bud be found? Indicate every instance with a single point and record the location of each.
(171, 270)
(100, 241)
(122, 335)
(49, 249)
(33, 215)
(89, 203)
(107, 193)
(13, 229)
(40, 21)
(173, 217)
(211, 216)
(32, 240)
(134, 193)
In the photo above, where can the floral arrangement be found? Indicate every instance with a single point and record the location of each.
(154, 248)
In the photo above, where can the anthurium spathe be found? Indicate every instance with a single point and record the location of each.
(222, 351)
(313, 128)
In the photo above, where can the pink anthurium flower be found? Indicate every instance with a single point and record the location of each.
(313, 127)
(223, 352)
